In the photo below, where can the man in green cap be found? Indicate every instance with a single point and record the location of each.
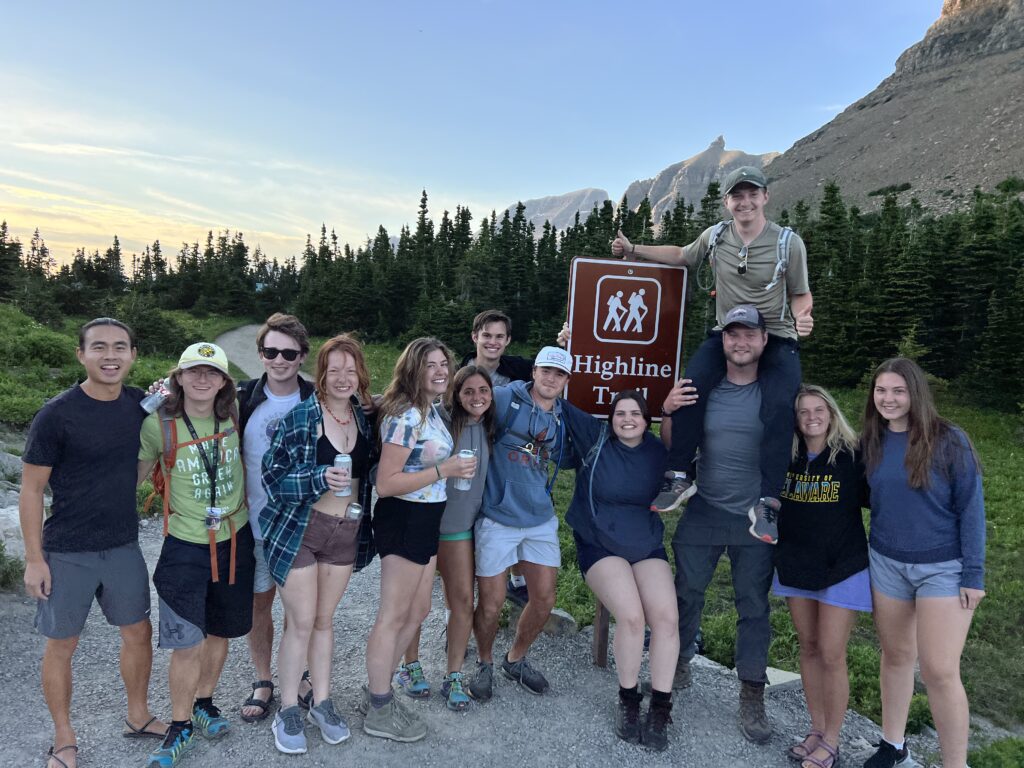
(755, 262)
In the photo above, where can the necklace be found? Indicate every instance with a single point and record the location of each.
(327, 408)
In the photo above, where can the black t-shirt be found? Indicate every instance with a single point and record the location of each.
(92, 447)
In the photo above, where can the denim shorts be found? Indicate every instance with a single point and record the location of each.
(907, 581)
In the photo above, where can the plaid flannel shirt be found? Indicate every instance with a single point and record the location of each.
(293, 481)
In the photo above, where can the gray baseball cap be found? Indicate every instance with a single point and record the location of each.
(744, 314)
(746, 174)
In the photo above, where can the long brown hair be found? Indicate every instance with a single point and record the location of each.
(406, 388)
(224, 406)
(348, 344)
(929, 442)
(460, 417)
(841, 436)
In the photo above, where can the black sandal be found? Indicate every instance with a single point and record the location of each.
(264, 706)
(306, 701)
(52, 754)
(141, 733)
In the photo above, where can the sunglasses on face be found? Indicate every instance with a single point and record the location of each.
(288, 354)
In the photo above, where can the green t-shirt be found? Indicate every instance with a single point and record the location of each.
(190, 482)
(732, 288)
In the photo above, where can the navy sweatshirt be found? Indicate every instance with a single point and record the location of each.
(943, 521)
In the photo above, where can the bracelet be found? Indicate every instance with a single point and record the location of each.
(632, 250)
(437, 468)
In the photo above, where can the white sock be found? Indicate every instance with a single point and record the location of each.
(447, 615)
(898, 744)
(518, 581)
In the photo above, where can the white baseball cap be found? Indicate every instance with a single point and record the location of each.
(554, 357)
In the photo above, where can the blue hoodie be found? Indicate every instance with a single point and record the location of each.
(528, 442)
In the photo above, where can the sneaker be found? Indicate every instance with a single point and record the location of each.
(753, 720)
(655, 729)
(394, 722)
(675, 489)
(764, 520)
(627, 719)
(411, 680)
(289, 737)
(453, 691)
(177, 743)
(208, 720)
(887, 756)
(518, 595)
(684, 675)
(524, 674)
(481, 687)
(333, 729)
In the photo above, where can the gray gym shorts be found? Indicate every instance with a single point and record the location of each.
(907, 581)
(116, 578)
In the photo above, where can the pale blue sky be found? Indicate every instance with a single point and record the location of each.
(165, 121)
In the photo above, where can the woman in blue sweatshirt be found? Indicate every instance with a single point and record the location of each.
(927, 554)
(620, 551)
(821, 563)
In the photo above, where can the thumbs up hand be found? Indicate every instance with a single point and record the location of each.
(621, 247)
(804, 321)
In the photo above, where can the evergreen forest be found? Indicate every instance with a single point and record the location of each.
(947, 290)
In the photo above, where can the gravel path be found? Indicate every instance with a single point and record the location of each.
(572, 725)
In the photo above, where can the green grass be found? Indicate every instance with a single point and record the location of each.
(1008, 753)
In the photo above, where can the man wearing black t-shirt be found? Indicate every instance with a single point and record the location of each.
(84, 443)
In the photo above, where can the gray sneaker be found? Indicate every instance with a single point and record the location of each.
(289, 736)
(764, 516)
(394, 722)
(675, 489)
(481, 687)
(523, 673)
(333, 728)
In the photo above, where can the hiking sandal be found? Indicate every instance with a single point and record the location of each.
(800, 750)
(829, 761)
(264, 706)
(52, 753)
(131, 732)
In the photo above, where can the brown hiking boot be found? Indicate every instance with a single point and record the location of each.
(683, 677)
(753, 720)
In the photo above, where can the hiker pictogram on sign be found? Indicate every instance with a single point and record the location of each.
(626, 309)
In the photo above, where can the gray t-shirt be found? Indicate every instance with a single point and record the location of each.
(728, 468)
(497, 379)
(259, 431)
(463, 506)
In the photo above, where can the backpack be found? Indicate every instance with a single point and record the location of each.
(161, 479)
(504, 427)
(781, 256)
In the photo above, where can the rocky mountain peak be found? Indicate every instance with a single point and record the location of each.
(967, 29)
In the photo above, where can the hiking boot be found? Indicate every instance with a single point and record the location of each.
(394, 722)
(481, 687)
(518, 595)
(177, 743)
(333, 729)
(684, 675)
(289, 736)
(764, 516)
(675, 490)
(627, 717)
(887, 756)
(655, 729)
(411, 679)
(524, 674)
(209, 722)
(453, 691)
(753, 721)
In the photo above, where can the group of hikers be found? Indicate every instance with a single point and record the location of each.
(268, 486)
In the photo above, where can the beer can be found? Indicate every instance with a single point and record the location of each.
(154, 400)
(344, 461)
(465, 483)
(355, 511)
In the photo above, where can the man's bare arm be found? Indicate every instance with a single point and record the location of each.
(30, 513)
(664, 254)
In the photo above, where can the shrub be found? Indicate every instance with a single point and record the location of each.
(1007, 753)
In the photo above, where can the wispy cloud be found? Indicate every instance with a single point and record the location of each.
(832, 107)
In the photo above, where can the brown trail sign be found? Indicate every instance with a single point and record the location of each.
(626, 320)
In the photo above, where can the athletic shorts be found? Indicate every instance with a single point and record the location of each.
(329, 539)
(852, 593)
(500, 546)
(262, 580)
(197, 605)
(588, 554)
(409, 529)
(116, 578)
(907, 581)
(458, 536)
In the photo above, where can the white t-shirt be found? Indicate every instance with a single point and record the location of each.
(259, 431)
